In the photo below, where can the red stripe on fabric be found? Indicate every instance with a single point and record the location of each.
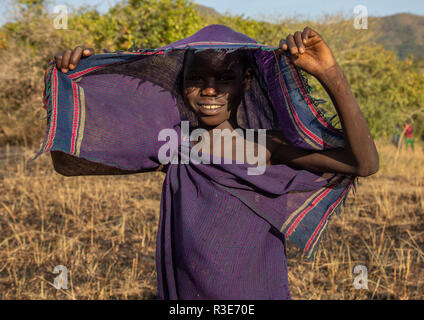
(311, 106)
(150, 52)
(54, 111)
(221, 43)
(304, 129)
(303, 213)
(76, 115)
(147, 53)
(323, 219)
(81, 73)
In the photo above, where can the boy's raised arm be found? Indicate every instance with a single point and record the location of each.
(308, 51)
(69, 165)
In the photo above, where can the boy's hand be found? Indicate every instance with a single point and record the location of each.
(308, 51)
(68, 59)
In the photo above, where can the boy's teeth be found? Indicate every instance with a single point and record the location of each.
(210, 106)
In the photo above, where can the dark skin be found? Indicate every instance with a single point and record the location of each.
(217, 81)
(213, 89)
(309, 52)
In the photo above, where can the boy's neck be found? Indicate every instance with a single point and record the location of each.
(227, 124)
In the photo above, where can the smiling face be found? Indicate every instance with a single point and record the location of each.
(214, 84)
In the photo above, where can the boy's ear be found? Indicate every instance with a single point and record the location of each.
(248, 78)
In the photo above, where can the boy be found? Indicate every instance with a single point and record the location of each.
(222, 233)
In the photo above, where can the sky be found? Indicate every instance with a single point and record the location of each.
(274, 8)
(313, 8)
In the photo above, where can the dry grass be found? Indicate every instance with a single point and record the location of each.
(104, 230)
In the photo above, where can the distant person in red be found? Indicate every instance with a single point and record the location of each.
(409, 135)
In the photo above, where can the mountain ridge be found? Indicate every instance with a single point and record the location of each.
(402, 33)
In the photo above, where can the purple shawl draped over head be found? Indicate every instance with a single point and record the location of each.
(111, 108)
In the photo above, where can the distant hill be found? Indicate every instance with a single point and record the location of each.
(402, 33)
(208, 11)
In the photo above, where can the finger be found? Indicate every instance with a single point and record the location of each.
(307, 34)
(299, 43)
(65, 60)
(283, 45)
(88, 52)
(58, 58)
(292, 47)
(75, 57)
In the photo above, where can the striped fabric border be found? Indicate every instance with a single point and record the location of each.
(306, 213)
(294, 80)
(83, 72)
(308, 136)
(314, 239)
(301, 127)
(321, 197)
(53, 80)
(289, 226)
(81, 122)
(53, 119)
(308, 100)
(76, 116)
(226, 45)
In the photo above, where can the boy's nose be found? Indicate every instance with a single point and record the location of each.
(208, 91)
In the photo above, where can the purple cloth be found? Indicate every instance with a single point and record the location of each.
(211, 245)
(221, 232)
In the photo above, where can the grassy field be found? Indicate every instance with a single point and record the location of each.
(103, 229)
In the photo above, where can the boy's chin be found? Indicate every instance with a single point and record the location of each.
(211, 121)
